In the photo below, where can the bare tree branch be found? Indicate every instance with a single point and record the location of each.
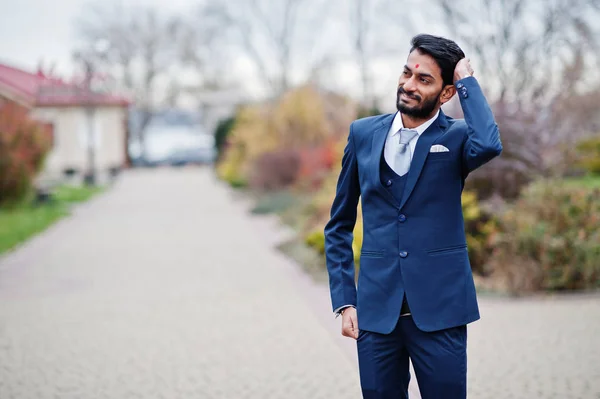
(518, 43)
(538, 61)
(264, 32)
(139, 51)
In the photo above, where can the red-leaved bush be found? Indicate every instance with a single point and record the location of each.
(23, 146)
(275, 170)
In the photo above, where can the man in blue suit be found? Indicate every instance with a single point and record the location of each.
(415, 292)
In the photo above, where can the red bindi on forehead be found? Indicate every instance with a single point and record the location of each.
(416, 66)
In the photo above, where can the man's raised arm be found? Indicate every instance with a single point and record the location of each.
(483, 141)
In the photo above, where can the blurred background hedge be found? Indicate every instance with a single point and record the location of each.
(531, 216)
(24, 144)
(589, 151)
(549, 239)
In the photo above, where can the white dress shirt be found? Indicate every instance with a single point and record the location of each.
(393, 139)
(391, 148)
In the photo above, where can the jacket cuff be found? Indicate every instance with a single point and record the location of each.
(338, 311)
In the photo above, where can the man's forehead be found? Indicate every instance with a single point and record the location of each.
(422, 63)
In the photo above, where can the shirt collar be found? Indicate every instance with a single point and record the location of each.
(397, 124)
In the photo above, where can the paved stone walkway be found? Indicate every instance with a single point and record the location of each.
(161, 288)
(164, 288)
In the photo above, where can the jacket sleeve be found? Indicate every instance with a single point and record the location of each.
(483, 137)
(339, 230)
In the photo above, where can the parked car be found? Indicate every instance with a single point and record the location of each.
(195, 156)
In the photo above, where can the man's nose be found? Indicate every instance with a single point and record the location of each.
(410, 85)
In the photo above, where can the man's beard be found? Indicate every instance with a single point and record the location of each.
(419, 111)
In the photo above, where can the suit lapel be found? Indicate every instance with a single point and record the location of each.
(379, 136)
(422, 148)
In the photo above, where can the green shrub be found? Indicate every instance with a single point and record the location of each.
(222, 133)
(229, 168)
(238, 182)
(316, 240)
(479, 228)
(316, 237)
(550, 239)
(589, 151)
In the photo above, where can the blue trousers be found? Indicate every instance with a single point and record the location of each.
(439, 359)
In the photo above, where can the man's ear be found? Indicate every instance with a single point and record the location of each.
(447, 93)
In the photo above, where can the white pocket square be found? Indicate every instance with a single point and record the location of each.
(438, 148)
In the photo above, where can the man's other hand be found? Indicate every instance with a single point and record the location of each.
(350, 323)
(463, 69)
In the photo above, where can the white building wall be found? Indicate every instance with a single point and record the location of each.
(71, 138)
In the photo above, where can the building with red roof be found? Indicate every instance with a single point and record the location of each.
(75, 115)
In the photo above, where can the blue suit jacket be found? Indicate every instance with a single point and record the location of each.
(415, 247)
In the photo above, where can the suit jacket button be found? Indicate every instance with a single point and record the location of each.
(402, 218)
(388, 183)
(403, 254)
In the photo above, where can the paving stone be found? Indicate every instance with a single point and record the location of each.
(165, 287)
(160, 288)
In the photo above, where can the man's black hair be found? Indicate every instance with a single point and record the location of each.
(445, 52)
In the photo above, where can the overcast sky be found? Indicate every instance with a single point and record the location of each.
(31, 30)
(44, 30)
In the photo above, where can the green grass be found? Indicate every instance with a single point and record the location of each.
(74, 194)
(310, 260)
(276, 202)
(291, 207)
(588, 181)
(21, 222)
